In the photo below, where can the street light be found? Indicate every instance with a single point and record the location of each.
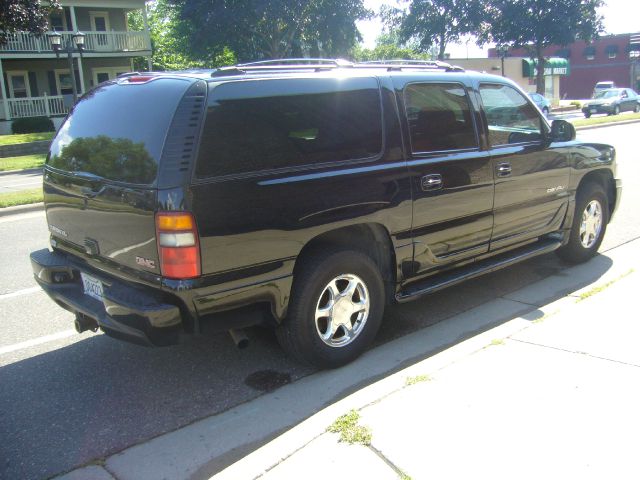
(503, 51)
(76, 42)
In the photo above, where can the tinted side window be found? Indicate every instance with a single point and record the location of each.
(511, 118)
(270, 124)
(439, 117)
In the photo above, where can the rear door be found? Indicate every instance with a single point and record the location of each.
(100, 179)
(451, 178)
(531, 175)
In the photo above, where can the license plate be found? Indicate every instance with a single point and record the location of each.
(594, 110)
(92, 286)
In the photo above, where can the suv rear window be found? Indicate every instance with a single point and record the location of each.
(271, 124)
(117, 132)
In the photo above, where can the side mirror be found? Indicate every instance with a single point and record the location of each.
(562, 131)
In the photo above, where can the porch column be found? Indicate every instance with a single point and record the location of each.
(74, 23)
(146, 29)
(5, 104)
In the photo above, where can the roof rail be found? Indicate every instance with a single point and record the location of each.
(322, 64)
(338, 62)
(399, 64)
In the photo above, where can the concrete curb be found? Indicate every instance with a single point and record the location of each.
(250, 439)
(32, 207)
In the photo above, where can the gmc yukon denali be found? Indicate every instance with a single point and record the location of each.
(314, 192)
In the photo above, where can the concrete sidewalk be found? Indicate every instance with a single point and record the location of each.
(557, 398)
(545, 389)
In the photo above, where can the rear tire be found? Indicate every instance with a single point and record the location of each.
(587, 115)
(636, 109)
(616, 110)
(589, 224)
(335, 310)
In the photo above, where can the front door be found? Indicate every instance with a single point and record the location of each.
(100, 23)
(451, 178)
(531, 175)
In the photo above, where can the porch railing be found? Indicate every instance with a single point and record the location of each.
(36, 106)
(113, 42)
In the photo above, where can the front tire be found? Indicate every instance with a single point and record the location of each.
(589, 224)
(616, 110)
(335, 310)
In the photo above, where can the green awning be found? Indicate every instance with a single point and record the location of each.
(552, 66)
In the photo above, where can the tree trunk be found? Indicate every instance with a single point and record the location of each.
(442, 46)
(540, 75)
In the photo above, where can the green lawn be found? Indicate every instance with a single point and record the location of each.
(20, 198)
(584, 122)
(21, 163)
(25, 138)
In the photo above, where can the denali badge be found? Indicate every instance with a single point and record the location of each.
(145, 262)
(559, 188)
(57, 230)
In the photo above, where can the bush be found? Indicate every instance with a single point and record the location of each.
(576, 103)
(32, 125)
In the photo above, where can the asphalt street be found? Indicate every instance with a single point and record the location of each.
(21, 180)
(67, 399)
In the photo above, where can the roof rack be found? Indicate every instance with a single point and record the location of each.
(338, 62)
(283, 64)
(323, 64)
(399, 64)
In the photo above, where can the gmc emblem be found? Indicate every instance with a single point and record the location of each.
(145, 262)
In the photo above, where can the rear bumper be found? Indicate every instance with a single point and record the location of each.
(128, 312)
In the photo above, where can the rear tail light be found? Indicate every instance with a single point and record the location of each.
(178, 245)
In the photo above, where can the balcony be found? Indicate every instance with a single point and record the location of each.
(24, 44)
(46, 106)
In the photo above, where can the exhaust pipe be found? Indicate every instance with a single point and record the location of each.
(239, 338)
(84, 323)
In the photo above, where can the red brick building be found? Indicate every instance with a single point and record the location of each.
(612, 57)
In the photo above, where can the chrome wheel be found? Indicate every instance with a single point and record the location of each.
(591, 224)
(342, 310)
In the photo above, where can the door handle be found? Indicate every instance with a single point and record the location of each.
(431, 182)
(504, 169)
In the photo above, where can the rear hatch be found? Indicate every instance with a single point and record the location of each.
(105, 167)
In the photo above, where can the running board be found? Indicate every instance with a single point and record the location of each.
(447, 279)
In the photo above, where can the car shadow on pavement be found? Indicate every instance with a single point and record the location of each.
(95, 397)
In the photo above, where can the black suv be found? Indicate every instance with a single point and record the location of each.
(315, 193)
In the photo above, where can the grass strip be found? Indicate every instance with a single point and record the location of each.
(21, 163)
(22, 197)
(25, 138)
(585, 122)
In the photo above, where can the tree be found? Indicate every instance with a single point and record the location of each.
(170, 47)
(25, 15)
(438, 22)
(256, 29)
(389, 47)
(537, 24)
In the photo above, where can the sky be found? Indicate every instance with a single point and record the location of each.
(620, 16)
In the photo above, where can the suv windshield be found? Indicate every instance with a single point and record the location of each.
(608, 94)
(116, 132)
